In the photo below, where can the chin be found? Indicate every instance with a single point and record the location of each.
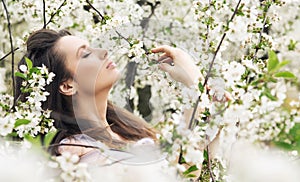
(114, 77)
(118, 75)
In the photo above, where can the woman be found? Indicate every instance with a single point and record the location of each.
(79, 92)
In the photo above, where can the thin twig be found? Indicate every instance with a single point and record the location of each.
(12, 49)
(211, 65)
(220, 112)
(21, 94)
(95, 9)
(103, 18)
(209, 165)
(1, 59)
(122, 36)
(261, 32)
(205, 82)
(44, 14)
(54, 14)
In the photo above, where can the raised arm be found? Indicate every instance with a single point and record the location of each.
(178, 64)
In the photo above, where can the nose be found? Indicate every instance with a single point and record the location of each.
(101, 53)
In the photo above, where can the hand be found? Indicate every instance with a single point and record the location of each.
(178, 64)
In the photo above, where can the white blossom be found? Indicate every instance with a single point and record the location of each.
(217, 88)
(6, 125)
(23, 68)
(194, 155)
(260, 108)
(232, 72)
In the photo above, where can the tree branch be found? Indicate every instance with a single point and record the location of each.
(10, 52)
(103, 18)
(11, 47)
(204, 84)
(211, 174)
(122, 36)
(145, 21)
(211, 65)
(44, 14)
(95, 9)
(54, 14)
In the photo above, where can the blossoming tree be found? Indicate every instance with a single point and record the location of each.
(245, 50)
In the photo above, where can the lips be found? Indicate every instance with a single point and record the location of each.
(111, 65)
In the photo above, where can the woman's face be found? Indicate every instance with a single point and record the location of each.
(92, 70)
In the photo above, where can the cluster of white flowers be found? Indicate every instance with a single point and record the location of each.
(136, 51)
(39, 122)
(180, 139)
(260, 108)
(232, 72)
(71, 169)
(28, 117)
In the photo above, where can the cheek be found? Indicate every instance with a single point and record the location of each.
(87, 75)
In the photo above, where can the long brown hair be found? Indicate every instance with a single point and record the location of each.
(41, 49)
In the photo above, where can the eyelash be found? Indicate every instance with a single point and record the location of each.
(86, 55)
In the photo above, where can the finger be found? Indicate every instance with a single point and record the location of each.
(166, 60)
(166, 67)
(162, 57)
(164, 48)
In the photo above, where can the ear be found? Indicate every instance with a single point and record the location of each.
(68, 87)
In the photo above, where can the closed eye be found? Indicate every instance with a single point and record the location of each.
(86, 55)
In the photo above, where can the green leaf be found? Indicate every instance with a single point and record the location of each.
(190, 169)
(297, 146)
(268, 94)
(285, 74)
(20, 122)
(19, 74)
(272, 80)
(295, 132)
(292, 45)
(36, 141)
(48, 138)
(201, 87)
(28, 62)
(190, 176)
(283, 63)
(13, 134)
(283, 145)
(273, 61)
(35, 70)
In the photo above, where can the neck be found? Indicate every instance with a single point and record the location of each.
(92, 107)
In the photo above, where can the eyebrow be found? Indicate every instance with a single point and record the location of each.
(82, 46)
